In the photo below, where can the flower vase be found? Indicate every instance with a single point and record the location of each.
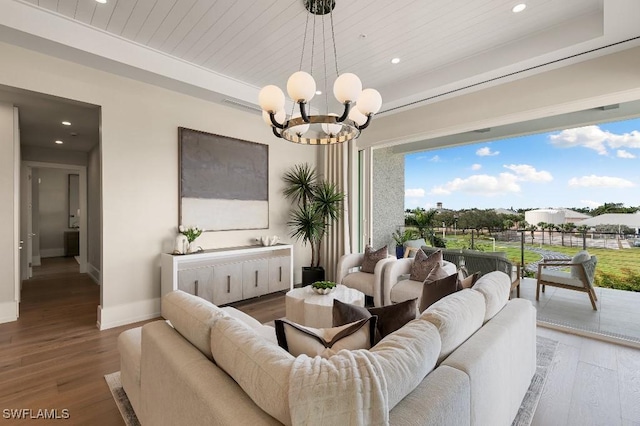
(181, 245)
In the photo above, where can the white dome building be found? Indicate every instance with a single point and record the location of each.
(534, 217)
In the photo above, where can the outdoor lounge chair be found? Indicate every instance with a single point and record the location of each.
(580, 277)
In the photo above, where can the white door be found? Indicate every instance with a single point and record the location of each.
(26, 224)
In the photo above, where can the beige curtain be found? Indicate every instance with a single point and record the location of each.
(337, 166)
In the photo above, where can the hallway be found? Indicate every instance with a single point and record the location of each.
(54, 356)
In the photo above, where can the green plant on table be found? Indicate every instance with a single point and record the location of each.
(324, 284)
(191, 232)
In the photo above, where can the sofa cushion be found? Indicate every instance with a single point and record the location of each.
(298, 339)
(372, 257)
(456, 317)
(264, 331)
(580, 257)
(192, 317)
(495, 287)
(390, 317)
(407, 356)
(432, 291)
(260, 368)
(422, 264)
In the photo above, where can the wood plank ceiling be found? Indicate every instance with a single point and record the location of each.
(260, 41)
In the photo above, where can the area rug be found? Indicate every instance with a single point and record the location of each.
(546, 349)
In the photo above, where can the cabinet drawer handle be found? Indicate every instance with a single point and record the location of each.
(228, 283)
(256, 278)
(280, 279)
(196, 287)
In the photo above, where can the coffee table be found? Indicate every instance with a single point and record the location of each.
(306, 307)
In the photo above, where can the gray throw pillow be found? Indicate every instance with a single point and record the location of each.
(422, 264)
(436, 290)
(580, 257)
(371, 258)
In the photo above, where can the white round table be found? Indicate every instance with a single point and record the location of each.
(306, 307)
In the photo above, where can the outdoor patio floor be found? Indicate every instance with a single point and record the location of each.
(618, 313)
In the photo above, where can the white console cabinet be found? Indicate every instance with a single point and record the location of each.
(227, 275)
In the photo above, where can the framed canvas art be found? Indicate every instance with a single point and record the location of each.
(224, 182)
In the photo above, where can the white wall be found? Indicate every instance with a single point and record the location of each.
(94, 213)
(53, 211)
(7, 248)
(140, 171)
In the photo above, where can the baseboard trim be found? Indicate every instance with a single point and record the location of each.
(94, 273)
(8, 311)
(128, 313)
(54, 252)
(36, 261)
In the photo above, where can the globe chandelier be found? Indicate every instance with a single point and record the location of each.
(319, 129)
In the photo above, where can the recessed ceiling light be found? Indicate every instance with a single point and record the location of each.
(101, 1)
(66, 123)
(519, 8)
(59, 142)
(395, 61)
(318, 92)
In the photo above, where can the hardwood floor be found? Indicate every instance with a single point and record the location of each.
(54, 357)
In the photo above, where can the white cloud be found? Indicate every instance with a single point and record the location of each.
(600, 182)
(476, 166)
(481, 185)
(414, 193)
(435, 159)
(591, 204)
(621, 153)
(529, 173)
(485, 151)
(593, 137)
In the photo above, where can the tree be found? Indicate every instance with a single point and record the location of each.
(542, 226)
(316, 205)
(424, 221)
(567, 227)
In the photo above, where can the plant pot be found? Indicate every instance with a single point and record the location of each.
(399, 252)
(311, 274)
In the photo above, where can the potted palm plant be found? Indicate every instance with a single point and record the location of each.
(316, 206)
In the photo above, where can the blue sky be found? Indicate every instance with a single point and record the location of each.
(579, 167)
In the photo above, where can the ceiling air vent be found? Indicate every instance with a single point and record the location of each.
(245, 106)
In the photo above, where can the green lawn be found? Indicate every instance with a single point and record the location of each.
(619, 269)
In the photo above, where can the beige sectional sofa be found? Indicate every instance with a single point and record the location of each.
(467, 360)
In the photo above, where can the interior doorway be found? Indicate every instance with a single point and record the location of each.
(58, 198)
(53, 218)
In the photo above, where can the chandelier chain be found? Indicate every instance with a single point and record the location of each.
(324, 59)
(333, 38)
(304, 42)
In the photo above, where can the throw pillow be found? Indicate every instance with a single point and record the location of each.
(436, 290)
(390, 317)
(298, 339)
(423, 264)
(467, 282)
(437, 273)
(371, 258)
(580, 257)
